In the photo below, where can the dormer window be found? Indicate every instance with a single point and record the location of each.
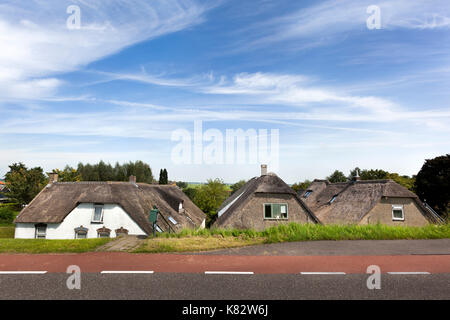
(97, 215)
(397, 213)
(307, 193)
(181, 207)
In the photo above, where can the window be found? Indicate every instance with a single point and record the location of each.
(307, 193)
(397, 213)
(81, 233)
(41, 231)
(158, 229)
(173, 220)
(275, 211)
(332, 199)
(103, 232)
(97, 216)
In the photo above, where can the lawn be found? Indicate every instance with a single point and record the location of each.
(6, 232)
(203, 240)
(50, 246)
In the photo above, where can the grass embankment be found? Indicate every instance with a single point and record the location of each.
(202, 240)
(50, 246)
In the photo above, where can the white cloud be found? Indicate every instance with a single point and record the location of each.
(330, 18)
(36, 43)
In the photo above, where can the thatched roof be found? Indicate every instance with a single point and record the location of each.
(354, 199)
(58, 199)
(269, 184)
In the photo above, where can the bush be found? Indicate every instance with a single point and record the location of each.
(7, 215)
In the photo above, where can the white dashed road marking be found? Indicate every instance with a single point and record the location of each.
(127, 272)
(23, 272)
(228, 272)
(419, 272)
(310, 273)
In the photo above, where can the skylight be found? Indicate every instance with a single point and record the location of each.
(307, 194)
(173, 220)
(332, 199)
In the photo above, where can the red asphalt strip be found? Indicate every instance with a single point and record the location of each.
(174, 263)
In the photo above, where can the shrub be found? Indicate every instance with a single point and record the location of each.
(7, 215)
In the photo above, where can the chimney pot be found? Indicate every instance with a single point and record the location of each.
(264, 169)
(52, 177)
(133, 179)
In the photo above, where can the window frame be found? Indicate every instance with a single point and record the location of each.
(98, 205)
(398, 207)
(36, 231)
(307, 194)
(271, 211)
(81, 230)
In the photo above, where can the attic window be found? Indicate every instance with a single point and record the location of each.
(275, 211)
(332, 199)
(97, 215)
(397, 213)
(307, 193)
(81, 233)
(103, 232)
(41, 231)
(173, 220)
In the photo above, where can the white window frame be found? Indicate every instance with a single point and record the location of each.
(172, 219)
(93, 213)
(398, 207)
(37, 233)
(272, 218)
(77, 234)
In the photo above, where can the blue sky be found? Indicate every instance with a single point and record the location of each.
(340, 94)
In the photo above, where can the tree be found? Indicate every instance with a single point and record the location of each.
(163, 178)
(433, 183)
(235, 187)
(190, 192)
(69, 174)
(301, 185)
(210, 196)
(105, 172)
(23, 183)
(182, 185)
(337, 176)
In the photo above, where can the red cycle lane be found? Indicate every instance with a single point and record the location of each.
(101, 261)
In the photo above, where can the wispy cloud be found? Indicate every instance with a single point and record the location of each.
(36, 43)
(326, 20)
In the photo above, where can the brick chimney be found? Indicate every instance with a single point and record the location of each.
(133, 179)
(52, 177)
(263, 169)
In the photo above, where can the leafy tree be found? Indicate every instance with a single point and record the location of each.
(337, 176)
(433, 183)
(182, 185)
(210, 196)
(105, 172)
(190, 192)
(235, 187)
(379, 174)
(68, 174)
(23, 183)
(301, 185)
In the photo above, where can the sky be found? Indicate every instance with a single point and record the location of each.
(326, 84)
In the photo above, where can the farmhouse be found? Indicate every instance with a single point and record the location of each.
(263, 202)
(366, 202)
(68, 210)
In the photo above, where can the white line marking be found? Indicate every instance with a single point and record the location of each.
(127, 272)
(419, 272)
(23, 272)
(228, 272)
(322, 272)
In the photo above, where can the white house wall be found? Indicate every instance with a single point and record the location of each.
(114, 217)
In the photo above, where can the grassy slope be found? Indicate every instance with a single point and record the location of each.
(189, 240)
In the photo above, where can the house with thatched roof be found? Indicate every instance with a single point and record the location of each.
(68, 210)
(366, 202)
(263, 202)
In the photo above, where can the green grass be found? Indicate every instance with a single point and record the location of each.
(50, 246)
(6, 232)
(206, 239)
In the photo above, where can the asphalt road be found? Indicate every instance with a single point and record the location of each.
(224, 287)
